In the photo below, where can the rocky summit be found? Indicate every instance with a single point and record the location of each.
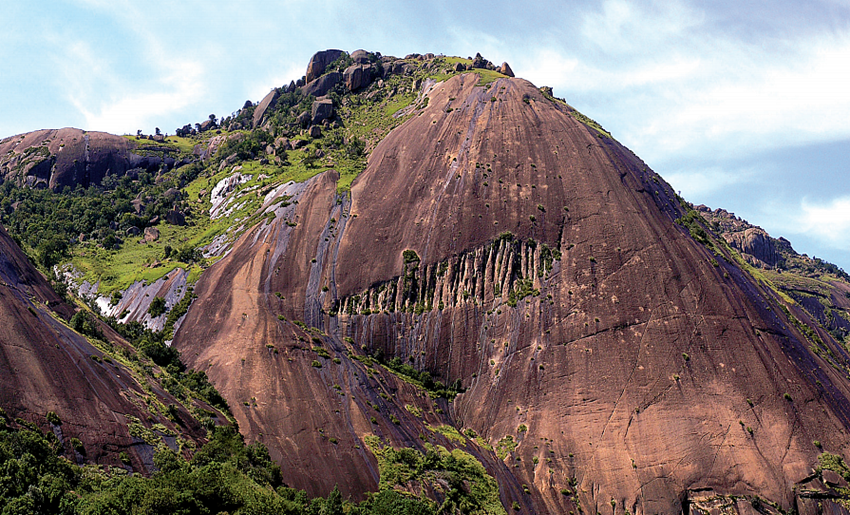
(426, 278)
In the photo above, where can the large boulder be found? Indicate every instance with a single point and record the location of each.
(304, 119)
(358, 76)
(268, 102)
(505, 69)
(319, 62)
(321, 86)
(151, 234)
(175, 217)
(360, 57)
(322, 110)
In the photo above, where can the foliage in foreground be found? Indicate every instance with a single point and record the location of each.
(225, 475)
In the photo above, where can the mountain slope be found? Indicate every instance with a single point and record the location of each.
(634, 366)
(48, 367)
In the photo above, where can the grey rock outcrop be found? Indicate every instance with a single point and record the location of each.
(360, 57)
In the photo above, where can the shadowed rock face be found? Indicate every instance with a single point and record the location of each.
(45, 366)
(55, 158)
(625, 358)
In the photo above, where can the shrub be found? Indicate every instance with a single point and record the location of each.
(157, 307)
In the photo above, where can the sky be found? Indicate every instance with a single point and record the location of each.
(739, 105)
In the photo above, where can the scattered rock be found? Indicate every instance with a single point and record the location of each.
(296, 144)
(151, 234)
(207, 125)
(320, 61)
(459, 67)
(304, 119)
(315, 131)
(282, 144)
(322, 110)
(832, 478)
(133, 231)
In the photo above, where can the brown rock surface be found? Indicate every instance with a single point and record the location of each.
(632, 360)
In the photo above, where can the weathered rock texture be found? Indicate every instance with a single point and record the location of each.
(626, 359)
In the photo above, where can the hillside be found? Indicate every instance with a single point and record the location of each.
(392, 256)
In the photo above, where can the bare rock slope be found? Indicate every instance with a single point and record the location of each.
(45, 367)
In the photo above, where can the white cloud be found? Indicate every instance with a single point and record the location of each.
(673, 85)
(829, 221)
(141, 108)
(704, 182)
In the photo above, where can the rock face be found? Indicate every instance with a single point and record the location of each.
(754, 242)
(535, 260)
(321, 86)
(55, 158)
(45, 366)
(320, 61)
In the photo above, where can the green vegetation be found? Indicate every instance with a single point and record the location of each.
(469, 488)
(505, 446)
(695, 225)
(224, 475)
(421, 379)
(450, 432)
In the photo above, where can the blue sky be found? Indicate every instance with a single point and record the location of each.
(740, 105)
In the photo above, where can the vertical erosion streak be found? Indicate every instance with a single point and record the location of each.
(345, 210)
(312, 301)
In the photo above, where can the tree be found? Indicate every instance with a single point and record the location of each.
(157, 307)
